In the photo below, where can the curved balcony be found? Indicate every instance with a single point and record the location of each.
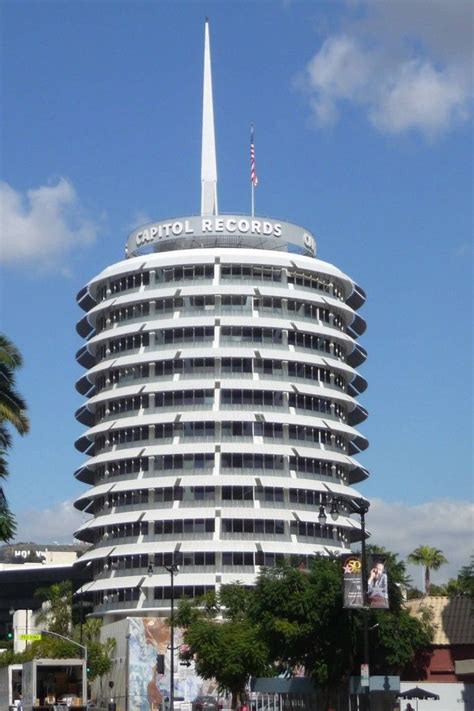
(220, 387)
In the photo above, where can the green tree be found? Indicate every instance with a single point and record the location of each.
(398, 641)
(98, 654)
(7, 519)
(57, 618)
(438, 590)
(414, 594)
(13, 413)
(56, 612)
(98, 658)
(464, 583)
(301, 616)
(430, 558)
(294, 619)
(226, 645)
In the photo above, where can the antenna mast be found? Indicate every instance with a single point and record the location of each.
(208, 156)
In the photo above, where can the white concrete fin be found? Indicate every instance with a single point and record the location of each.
(208, 156)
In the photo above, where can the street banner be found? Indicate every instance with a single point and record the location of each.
(377, 583)
(353, 597)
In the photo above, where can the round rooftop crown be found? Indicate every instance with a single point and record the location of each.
(221, 415)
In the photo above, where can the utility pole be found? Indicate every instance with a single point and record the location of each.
(172, 570)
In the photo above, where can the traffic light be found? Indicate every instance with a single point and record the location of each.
(9, 631)
(160, 663)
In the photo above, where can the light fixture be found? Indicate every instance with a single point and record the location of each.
(334, 512)
(150, 570)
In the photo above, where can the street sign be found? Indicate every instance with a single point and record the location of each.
(30, 637)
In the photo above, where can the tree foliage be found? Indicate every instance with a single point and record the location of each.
(438, 590)
(57, 607)
(397, 640)
(98, 654)
(226, 645)
(464, 583)
(12, 413)
(301, 616)
(56, 617)
(294, 619)
(414, 594)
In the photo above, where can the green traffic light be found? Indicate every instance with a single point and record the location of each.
(9, 635)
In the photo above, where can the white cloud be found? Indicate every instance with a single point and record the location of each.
(420, 97)
(390, 63)
(340, 70)
(445, 524)
(40, 226)
(462, 250)
(55, 524)
(140, 218)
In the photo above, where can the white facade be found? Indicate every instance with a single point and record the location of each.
(221, 414)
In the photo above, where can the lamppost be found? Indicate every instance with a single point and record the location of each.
(359, 507)
(172, 570)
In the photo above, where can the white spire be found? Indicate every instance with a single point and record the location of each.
(208, 158)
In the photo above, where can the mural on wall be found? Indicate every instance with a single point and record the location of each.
(150, 636)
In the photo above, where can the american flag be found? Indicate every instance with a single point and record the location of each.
(253, 169)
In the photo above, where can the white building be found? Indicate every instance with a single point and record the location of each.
(221, 380)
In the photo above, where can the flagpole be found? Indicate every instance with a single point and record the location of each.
(253, 170)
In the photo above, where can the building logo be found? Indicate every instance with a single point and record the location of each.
(221, 231)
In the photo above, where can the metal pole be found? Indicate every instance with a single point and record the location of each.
(365, 602)
(127, 664)
(85, 681)
(172, 641)
(80, 618)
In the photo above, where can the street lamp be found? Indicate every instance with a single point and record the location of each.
(172, 570)
(359, 507)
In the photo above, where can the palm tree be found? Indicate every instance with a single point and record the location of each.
(430, 558)
(12, 412)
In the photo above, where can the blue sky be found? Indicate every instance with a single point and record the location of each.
(363, 134)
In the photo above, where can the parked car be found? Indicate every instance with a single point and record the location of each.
(206, 703)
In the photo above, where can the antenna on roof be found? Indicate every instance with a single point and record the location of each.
(208, 156)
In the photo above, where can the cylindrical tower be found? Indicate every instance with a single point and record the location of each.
(221, 383)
